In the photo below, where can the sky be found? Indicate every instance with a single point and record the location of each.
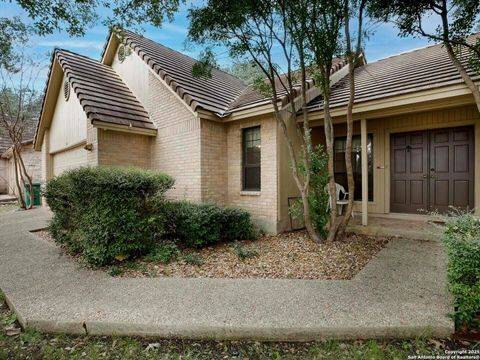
(382, 43)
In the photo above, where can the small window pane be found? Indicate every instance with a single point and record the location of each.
(252, 178)
(251, 158)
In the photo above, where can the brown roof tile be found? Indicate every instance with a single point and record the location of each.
(417, 70)
(102, 93)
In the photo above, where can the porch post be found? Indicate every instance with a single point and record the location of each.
(363, 138)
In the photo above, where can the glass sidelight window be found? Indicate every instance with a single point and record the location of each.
(251, 154)
(341, 170)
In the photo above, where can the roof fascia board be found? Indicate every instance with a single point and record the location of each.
(124, 128)
(253, 111)
(110, 49)
(49, 103)
(411, 99)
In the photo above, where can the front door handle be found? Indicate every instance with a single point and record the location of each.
(424, 176)
(432, 176)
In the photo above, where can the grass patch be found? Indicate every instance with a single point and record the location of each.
(115, 270)
(194, 259)
(163, 253)
(244, 252)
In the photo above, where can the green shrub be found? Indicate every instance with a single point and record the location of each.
(198, 225)
(462, 241)
(244, 252)
(163, 252)
(106, 213)
(192, 258)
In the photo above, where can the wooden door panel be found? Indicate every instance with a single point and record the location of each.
(432, 170)
(452, 169)
(409, 169)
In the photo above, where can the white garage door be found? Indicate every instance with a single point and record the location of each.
(69, 159)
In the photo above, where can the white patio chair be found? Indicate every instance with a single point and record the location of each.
(342, 200)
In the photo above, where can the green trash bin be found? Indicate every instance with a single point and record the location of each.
(37, 199)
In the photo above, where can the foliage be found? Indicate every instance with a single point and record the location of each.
(247, 71)
(163, 252)
(77, 16)
(244, 252)
(198, 225)
(194, 259)
(12, 32)
(462, 241)
(106, 213)
(204, 67)
(114, 270)
(318, 197)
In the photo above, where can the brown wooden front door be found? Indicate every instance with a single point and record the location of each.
(432, 170)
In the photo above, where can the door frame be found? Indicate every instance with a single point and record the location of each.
(445, 125)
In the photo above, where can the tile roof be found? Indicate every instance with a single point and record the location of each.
(102, 93)
(414, 71)
(214, 94)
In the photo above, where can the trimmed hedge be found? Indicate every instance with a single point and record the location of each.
(199, 225)
(462, 241)
(105, 213)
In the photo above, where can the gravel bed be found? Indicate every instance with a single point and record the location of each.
(290, 255)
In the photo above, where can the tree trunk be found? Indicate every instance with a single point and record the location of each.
(456, 62)
(332, 190)
(20, 198)
(352, 57)
(304, 194)
(24, 176)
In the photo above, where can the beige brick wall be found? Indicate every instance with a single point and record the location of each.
(214, 161)
(263, 204)
(176, 148)
(123, 149)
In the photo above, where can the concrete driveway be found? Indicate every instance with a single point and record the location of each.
(400, 293)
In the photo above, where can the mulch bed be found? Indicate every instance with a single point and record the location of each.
(289, 255)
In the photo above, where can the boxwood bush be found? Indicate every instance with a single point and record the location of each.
(105, 213)
(198, 225)
(462, 241)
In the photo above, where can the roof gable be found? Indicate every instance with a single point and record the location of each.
(213, 94)
(102, 94)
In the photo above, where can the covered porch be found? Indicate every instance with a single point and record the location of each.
(408, 161)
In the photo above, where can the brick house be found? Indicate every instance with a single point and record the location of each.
(141, 106)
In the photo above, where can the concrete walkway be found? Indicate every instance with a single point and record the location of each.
(400, 293)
